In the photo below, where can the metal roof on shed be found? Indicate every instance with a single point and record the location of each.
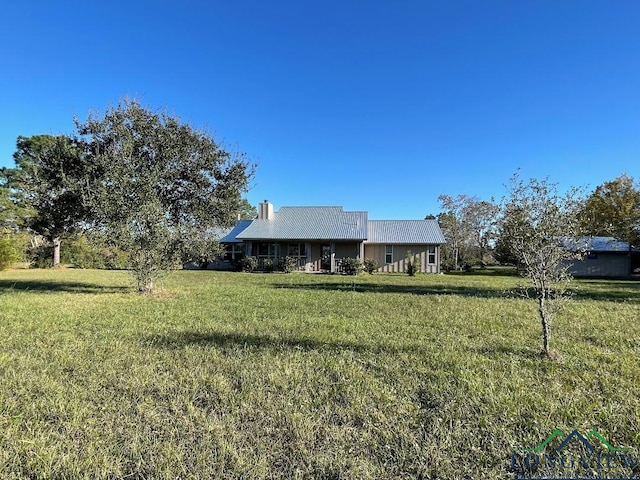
(598, 244)
(404, 232)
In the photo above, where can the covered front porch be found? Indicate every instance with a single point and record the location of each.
(316, 256)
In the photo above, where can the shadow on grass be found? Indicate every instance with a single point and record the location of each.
(405, 289)
(505, 350)
(236, 341)
(7, 286)
(607, 290)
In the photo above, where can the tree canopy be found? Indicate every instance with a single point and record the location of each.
(468, 224)
(45, 184)
(156, 187)
(613, 209)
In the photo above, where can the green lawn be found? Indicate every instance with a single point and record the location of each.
(229, 375)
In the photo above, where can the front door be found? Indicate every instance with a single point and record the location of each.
(325, 259)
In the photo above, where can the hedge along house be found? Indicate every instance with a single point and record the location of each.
(320, 237)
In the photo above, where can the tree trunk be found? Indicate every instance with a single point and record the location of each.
(545, 326)
(455, 251)
(56, 251)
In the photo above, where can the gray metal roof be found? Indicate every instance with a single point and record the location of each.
(598, 244)
(405, 232)
(229, 235)
(308, 223)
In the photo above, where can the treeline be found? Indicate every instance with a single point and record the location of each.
(477, 230)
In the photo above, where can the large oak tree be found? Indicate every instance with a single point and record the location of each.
(157, 187)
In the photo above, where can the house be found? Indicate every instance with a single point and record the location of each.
(605, 257)
(319, 237)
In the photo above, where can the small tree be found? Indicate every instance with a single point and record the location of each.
(156, 186)
(541, 229)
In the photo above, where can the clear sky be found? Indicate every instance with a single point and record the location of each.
(373, 105)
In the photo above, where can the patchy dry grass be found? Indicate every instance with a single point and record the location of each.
(302, 376)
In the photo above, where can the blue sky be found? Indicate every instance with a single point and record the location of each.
(372, 105)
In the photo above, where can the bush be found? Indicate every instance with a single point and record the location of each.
(116, 259)
(287, 264)
(81, 253)
(413, 264)
(41, 256)
(9, 251)
(351, 266)
(249, 264)
(267, 265)
(371, 265)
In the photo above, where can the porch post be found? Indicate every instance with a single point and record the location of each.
(361, 251)
(309, 265)
(333, 257)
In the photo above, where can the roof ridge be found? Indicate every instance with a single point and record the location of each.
(404, 220)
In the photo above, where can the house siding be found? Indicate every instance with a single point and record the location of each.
(606, 264)
(398, 264)
(346, 250)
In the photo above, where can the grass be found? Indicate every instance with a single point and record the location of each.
(303, 376)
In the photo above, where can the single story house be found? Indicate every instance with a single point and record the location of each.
(319, 237)
(605, 257)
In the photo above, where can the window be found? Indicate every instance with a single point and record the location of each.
(233, 251)
(431, 252)
(263, 249)
(388, 254)
(268, 250)
(296, 250)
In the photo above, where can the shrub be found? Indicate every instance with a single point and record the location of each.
(9, 251)
(41, 256)
(80, 252)
(267, 265)
(249, 264)
(413, 264)
(287, 264)
(115, 259)
(371, 265)
(351, 266)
